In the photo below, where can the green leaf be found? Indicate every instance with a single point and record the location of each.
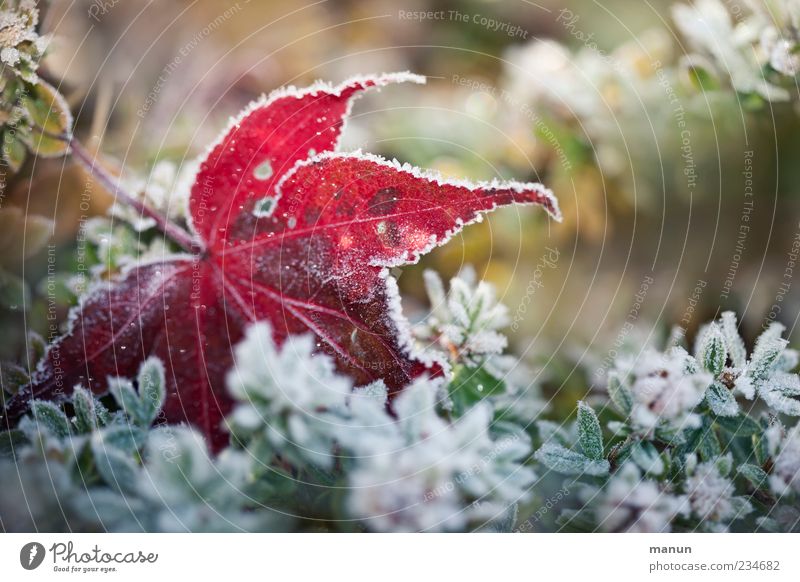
(646, 456)
(700, 76)
(12, 377)
(51, 417)
(708, 445)
(711, 352)
(48, 111)
(755, 475)
(621, 396)
(733, 341)
(90, 413)
(11, 441)
(721, 401)
(36, 348)
(127, 398)
(620, 453)
(114, 466)
(590, 436)
(14, 151)
(567, 462)
(127, 438)
(739, 425)
(765, 356)
(14, 291)
(724, 464)
(152, 389)
(471, 385)
(760, 448)
(504, 523)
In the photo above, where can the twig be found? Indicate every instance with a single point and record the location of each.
(110, 183)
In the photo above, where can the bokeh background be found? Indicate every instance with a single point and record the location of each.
(679, 203)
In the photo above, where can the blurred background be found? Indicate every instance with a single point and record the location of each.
(678, 181)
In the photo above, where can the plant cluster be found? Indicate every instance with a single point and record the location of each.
(680, 451)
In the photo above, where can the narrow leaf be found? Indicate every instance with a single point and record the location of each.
(566, 462)
(621, 396)
(590, 435)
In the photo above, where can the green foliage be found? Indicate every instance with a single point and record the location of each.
(689, 457)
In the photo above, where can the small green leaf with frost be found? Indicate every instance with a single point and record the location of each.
(590, 435)
(755, 475)
(51, 417)
(567, 462)
(645, 455)
(620, 393)
(733, 341)
(710, 351)
(721, 400)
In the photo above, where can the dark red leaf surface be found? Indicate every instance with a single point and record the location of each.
(290, 232)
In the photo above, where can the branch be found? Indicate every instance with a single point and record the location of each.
(186, 241)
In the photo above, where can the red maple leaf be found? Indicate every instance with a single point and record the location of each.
(288, 231)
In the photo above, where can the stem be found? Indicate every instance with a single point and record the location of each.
(186, 241)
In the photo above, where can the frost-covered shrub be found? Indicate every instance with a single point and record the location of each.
(305, 442)
(679, 452)
(116, 471)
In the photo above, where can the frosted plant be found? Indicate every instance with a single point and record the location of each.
(711, 493)
(444, 476)
(664, 389)
(681, 429)
(465, 324)
(465, 320)
(296, 401)
(784, 446)
(21, 47)
(631, 503)
(292, 404)
(31, 111)
(102, 470)
(753, 50)
(661, 390)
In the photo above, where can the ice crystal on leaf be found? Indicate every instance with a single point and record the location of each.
(317, 264)
(21, 47)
